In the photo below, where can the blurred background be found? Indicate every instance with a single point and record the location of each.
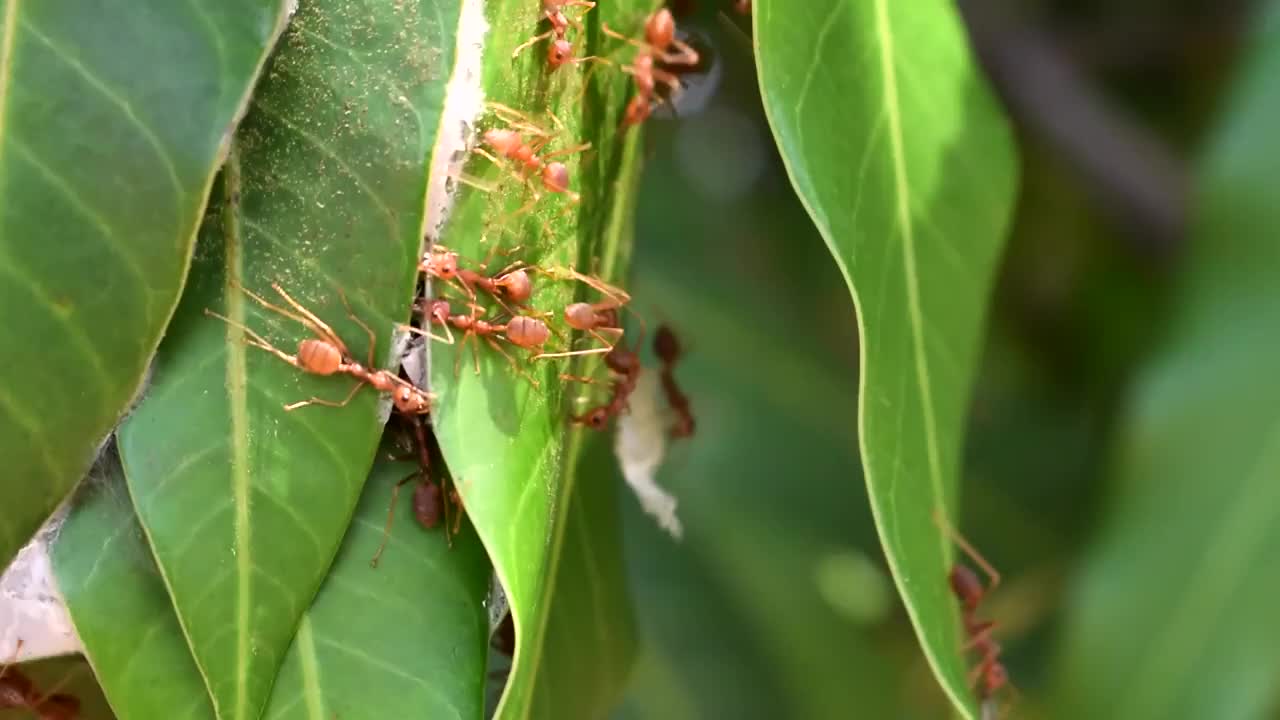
(777, 602)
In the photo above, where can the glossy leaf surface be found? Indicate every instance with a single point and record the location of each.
(113, 116)
(509, 444)
(898, 153)
(324, 191)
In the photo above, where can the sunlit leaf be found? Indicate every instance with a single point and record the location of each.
(324, 192)
(896, 149)
(510, 444)
(113, 116)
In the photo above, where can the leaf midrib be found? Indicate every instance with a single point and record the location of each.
(237, 397)
(6, 66)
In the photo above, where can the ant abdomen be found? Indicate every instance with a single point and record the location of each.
(427, 504)
(319, 357)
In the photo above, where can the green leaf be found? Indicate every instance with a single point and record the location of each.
(69, 675)
(1168, 609)
(112, 119)
(715, 642)
(324, 192)
(897, 151)
(510, 445)
(406, 639)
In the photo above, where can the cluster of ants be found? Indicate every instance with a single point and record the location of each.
(517, 145)
(19, 692)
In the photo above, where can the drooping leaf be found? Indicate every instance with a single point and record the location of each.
(324, 192)
(112, 119)
(407, 638)
(1169, 610)
(771, 605)
(509, 444)
(896, 149)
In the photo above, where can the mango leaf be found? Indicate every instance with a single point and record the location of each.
(324, 192)
(1168, 608)
(714, 641)
(897, 151)
(509, 444)
(406, 638)
(113, 117)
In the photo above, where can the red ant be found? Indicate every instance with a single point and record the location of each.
(592, 318)
(667, 347)
(512, 283)
(561, 50)
(429, 502)
(660, 46)
(524, 331)
(625, 364)
(510, 143)
(18, 692)
(743, 7)
(326, 354)
(967, 587)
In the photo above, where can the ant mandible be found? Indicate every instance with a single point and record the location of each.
(989, 676)
(326, 354)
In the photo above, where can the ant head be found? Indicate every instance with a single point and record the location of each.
(527, 332)
(440, 263)
(559, 52)
(660, 29)
(555, 177)
(438, 311)
(411, 401)
(504, 141)
(517, 285)
(580, 316)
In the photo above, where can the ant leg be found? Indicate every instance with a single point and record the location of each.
(579, 378)
(983, 635)
(326, 403)
(968, 549)
(17, 650)
(516, 366)
(427, 334)
(604, 27)
(256, 340)
(684, 55)
(568, 151)
(391, 516)
(373, 339)
(571, 353)
(312, 321)
(530, 43)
